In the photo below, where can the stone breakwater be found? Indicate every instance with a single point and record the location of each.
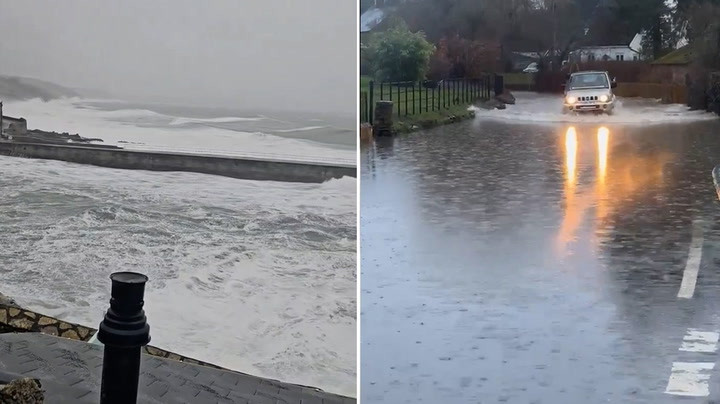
(14, 318)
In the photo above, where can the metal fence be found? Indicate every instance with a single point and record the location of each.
(418, 97)
(364, 107)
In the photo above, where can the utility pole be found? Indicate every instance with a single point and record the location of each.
(1, 118)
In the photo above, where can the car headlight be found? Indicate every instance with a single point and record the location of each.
(604, 98)
(570, 100)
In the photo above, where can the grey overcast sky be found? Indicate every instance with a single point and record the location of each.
(281, 54)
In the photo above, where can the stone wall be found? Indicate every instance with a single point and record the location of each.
(14, 125)
(16, 319)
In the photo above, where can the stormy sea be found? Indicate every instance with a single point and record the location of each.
(254, 276)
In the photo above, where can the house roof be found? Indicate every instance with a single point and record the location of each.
(524, 56)
(532, 55)
(371, 18)
(681, 56)
(612, 39)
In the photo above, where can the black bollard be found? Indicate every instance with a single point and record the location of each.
(123, 331)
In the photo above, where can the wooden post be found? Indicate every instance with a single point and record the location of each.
(499, 85)
(366, 134)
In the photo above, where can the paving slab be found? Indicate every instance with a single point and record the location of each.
(70, 371)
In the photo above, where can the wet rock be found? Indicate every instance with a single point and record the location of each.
(492, 104)
(506, 98)
(22, 323)
(22, 391)
(46, 321)
(153, 351)
(50, 330)
(41, 136)
(8, 301)
(71, 334)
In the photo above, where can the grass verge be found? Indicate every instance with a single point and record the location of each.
(432, 119)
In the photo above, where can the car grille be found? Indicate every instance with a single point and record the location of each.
(588, 98)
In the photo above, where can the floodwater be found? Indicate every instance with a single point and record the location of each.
(540, 109)
(522, 258)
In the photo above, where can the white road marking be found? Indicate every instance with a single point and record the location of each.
(692, 266)
(700, 341)
(688, 379)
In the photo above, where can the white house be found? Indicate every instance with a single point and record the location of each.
(371, 18)
(624, 49)
(375, 14)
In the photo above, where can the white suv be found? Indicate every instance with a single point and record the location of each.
(589, 91)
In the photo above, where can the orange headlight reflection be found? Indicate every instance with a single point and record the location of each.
(603, 137)
(571, 145)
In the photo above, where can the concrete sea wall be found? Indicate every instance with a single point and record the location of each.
(242, 168)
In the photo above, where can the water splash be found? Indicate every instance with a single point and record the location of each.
(541, 108)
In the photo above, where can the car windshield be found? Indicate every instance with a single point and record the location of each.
(588, 80)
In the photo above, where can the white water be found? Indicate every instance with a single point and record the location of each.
(303, 129)
(540, 109)
(183, 121)
(166, 133)
(254, 276)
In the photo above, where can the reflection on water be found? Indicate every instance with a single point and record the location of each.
(634, 171)
(571, 146)
(572, 215)
(603, 136)
(603, 139)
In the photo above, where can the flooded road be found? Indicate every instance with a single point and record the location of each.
(541, 263)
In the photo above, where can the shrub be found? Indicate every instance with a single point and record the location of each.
(365, 61)
(399, 54)
(440, 65)
(457, 57)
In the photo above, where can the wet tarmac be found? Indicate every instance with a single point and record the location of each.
(525, 263)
